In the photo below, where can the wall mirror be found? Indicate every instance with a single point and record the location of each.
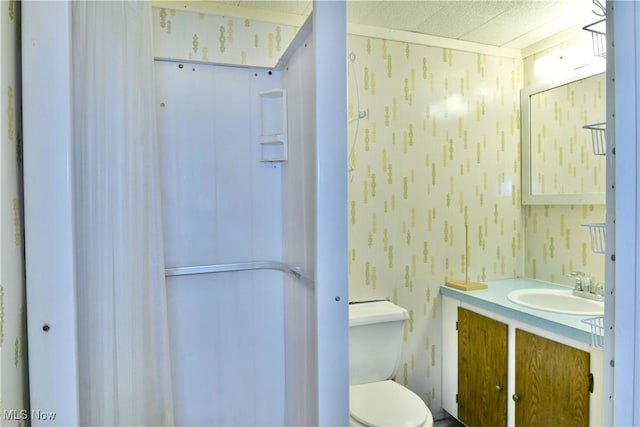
(560, 162)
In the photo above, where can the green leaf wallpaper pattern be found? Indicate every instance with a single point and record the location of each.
(563, 161)
(187, 35)
(430, 186)
(10, 113)
(230, 33)
(17, 229)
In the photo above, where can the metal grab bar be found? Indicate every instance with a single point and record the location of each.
(239, 266)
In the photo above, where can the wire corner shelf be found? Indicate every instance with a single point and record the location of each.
(597, 330)
(598, 37)
(597, 236)
(598, 137)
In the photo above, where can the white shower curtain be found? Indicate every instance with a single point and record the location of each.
(123, 348)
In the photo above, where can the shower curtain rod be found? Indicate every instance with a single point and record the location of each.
(239, 266)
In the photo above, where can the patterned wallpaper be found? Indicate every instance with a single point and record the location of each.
(13, 362)
(434, 160)
(555, 241)
(562, 155)
(218, 39)
(437, 150)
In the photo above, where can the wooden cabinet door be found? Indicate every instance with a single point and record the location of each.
(552, 383)
(482, 370)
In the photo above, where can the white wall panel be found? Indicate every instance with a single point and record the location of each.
(221, 205)
(299, 238)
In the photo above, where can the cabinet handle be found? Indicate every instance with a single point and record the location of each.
(498, 388)
(515, 397)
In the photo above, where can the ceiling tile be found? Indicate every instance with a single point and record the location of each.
(358, 11)
(527, 23)
(456, 18)
(502, 23)
(401, 15)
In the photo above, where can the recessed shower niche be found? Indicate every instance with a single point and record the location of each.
(273, 118)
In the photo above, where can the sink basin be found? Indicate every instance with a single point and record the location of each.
(557, 301)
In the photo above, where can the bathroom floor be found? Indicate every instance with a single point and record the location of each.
(447, 422)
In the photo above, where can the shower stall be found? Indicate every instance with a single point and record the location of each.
(254, 233)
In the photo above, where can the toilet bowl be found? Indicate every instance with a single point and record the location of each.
(387, 403)
(375, 346)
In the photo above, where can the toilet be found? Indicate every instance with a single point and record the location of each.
(375, 346)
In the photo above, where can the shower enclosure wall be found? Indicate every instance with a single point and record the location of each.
(239, 339)
(221, 205)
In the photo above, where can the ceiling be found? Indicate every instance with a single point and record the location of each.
(514, 24)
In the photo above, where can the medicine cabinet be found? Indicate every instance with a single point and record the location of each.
(558, 162)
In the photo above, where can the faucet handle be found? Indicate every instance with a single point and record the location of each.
(579, 276)
(587, 285)
(600, 289)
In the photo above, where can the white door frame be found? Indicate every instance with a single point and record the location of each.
(49, 245)
(332, 325)
(626, 321)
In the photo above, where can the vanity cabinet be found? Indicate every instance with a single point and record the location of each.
(552, 383)
(499, 371)
(482, 370)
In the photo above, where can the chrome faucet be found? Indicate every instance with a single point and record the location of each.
(585, 287)
(580, 278)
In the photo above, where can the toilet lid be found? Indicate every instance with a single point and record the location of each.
(386, 403)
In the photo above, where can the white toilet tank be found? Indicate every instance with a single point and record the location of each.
(375, 341)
